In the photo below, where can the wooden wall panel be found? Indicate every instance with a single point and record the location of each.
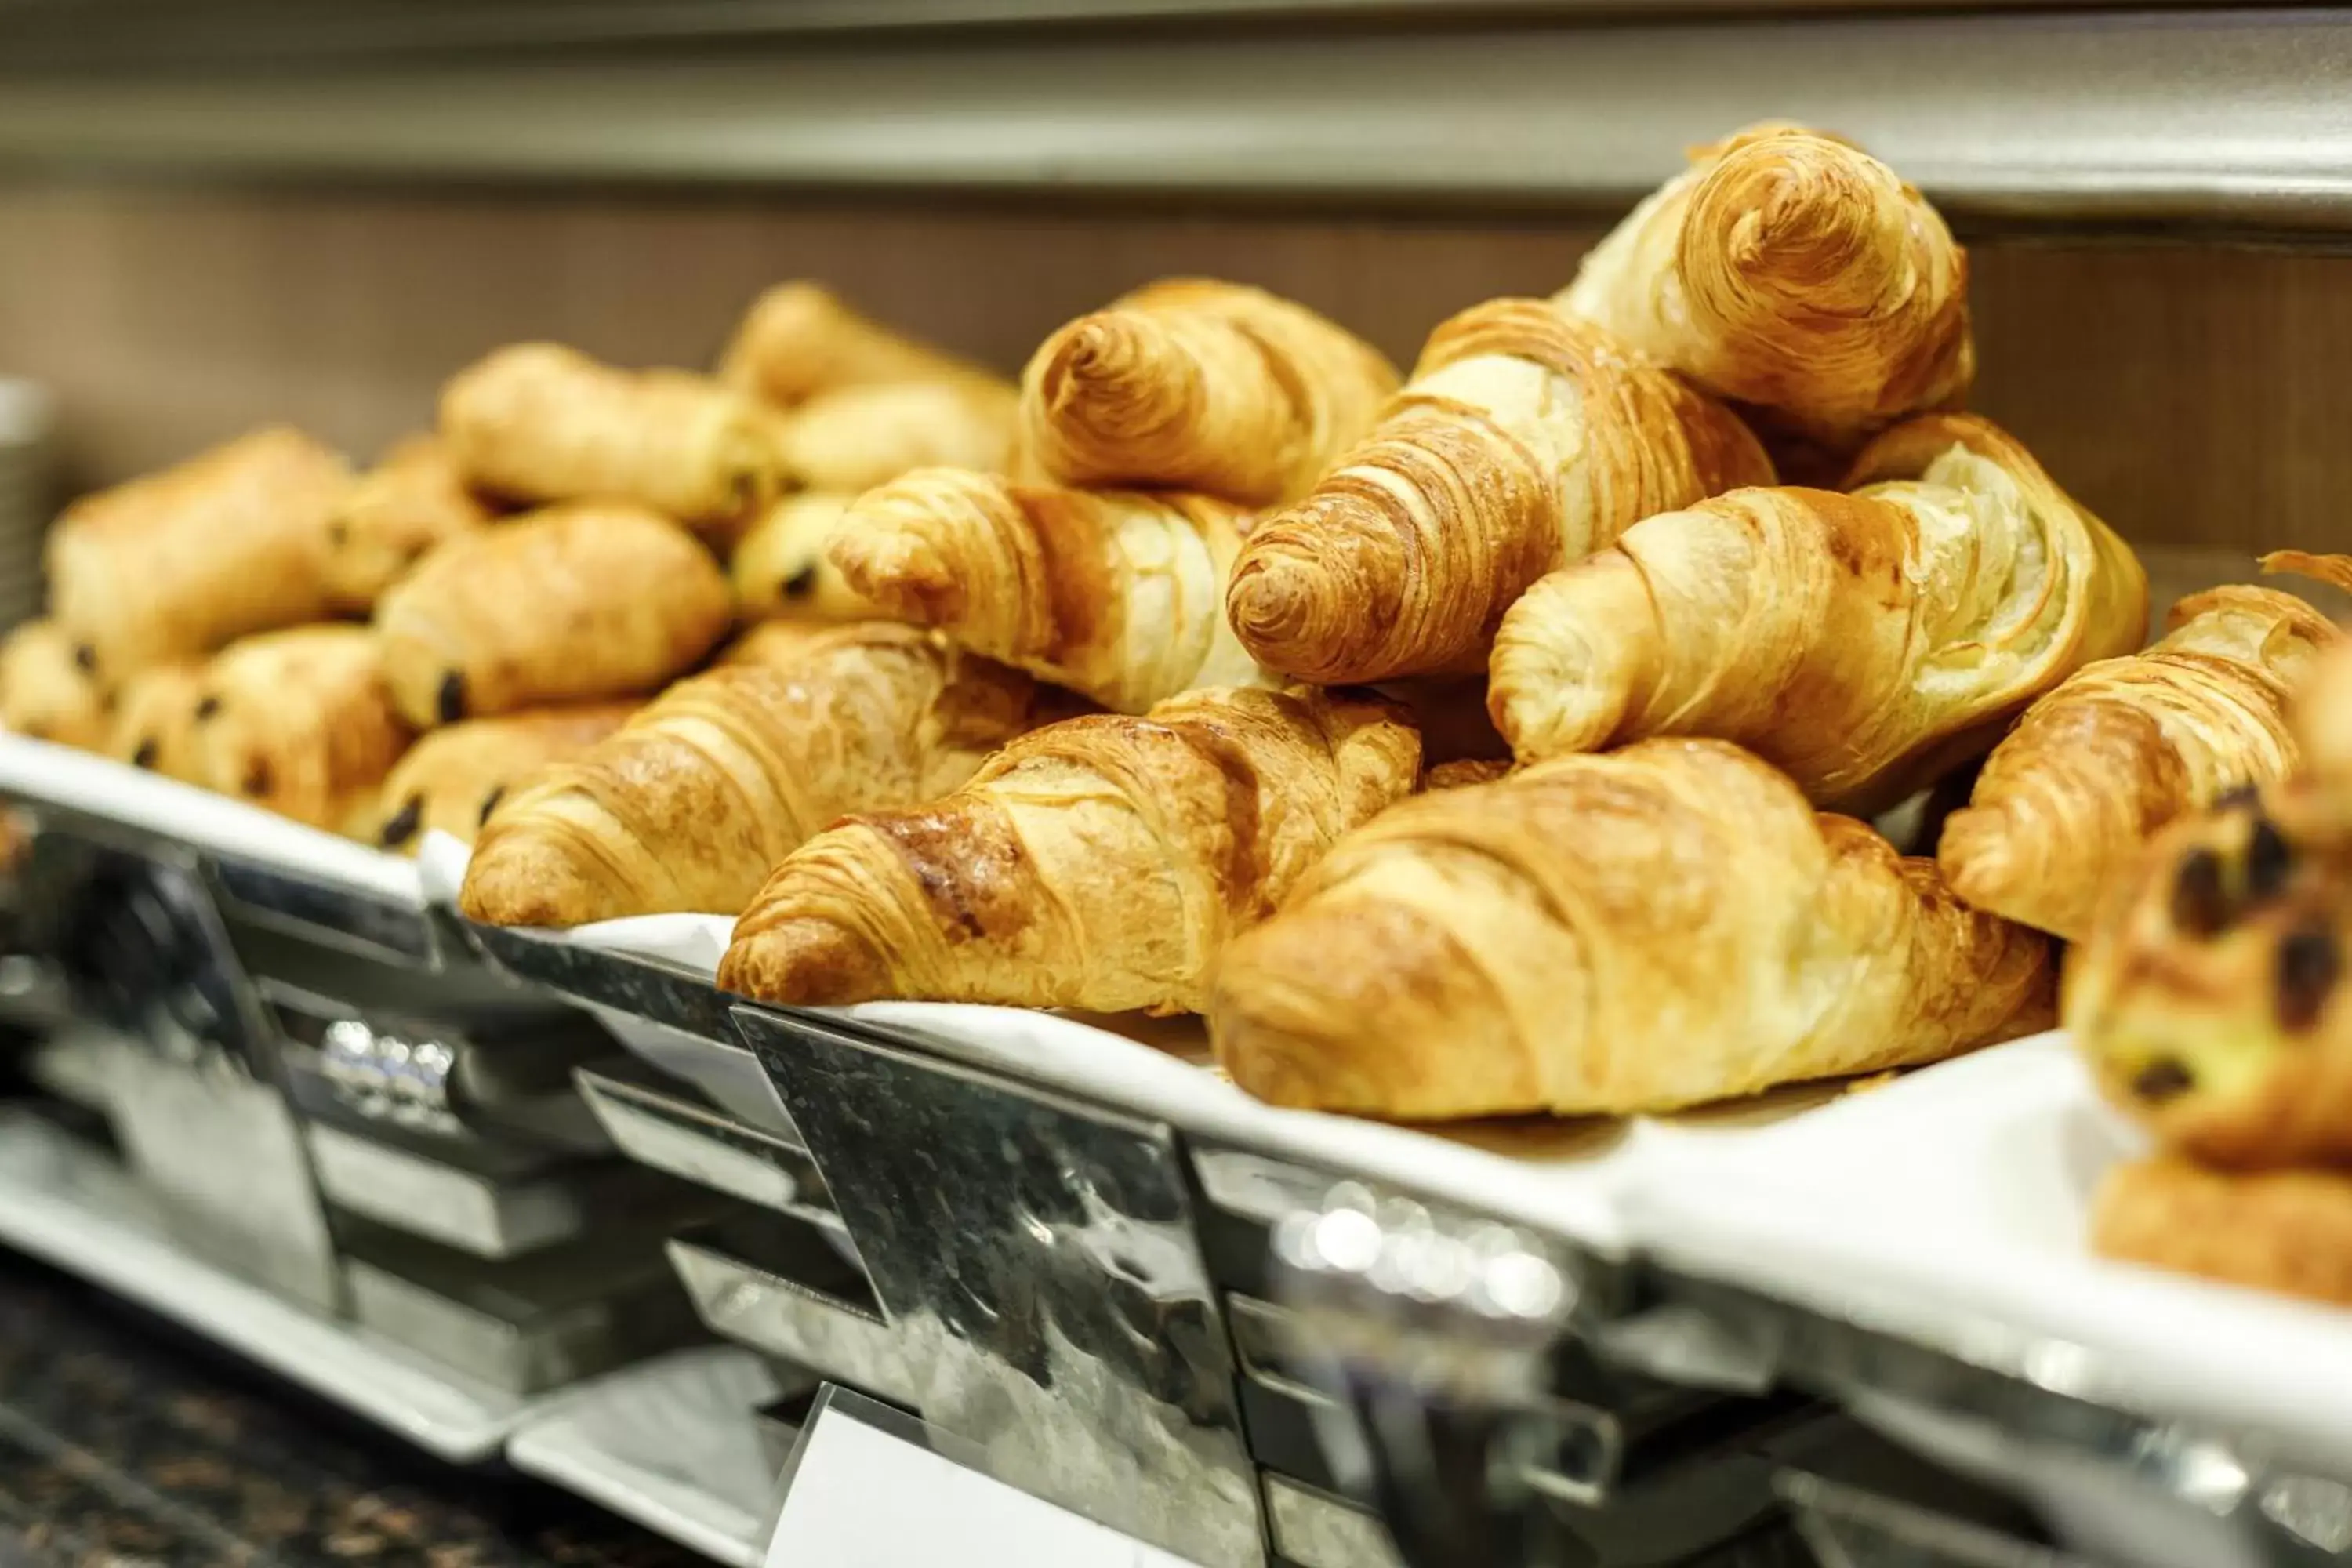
(2197, 397)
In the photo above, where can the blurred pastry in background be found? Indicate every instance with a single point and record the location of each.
(686, 807)
(49, 689)
(1118, 594)
(159, 719)
(2067, 802)
(573, 604)
(175, 565)
(779, 567)
(854, 437)
(538, 423)
(1861, 642)
(1194, 384)
(453, 778)
(799, 338)
(1525, 440)
(410, 501)
(1658, 927)
(1103, 862)
(2288, 1231)
(300, 721)
(1792, 274)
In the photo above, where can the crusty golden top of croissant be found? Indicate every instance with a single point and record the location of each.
(852, 438)
(1195, 385)
(1667, 924)
(1796, 275)
(1862, 643)
(799, 338)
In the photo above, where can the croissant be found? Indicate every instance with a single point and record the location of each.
(854, 437)
(1114, 594)
(159, 721)
(799, 339)
(538, 422)
(48, 690)
(1525, 440)
(690, 804)
(573, 603)
(173, 565)
(452, 779)
(2069, 799)
(1795, 275)
(780, 566)
(1860, 643)
(300, 721)
(407, 504)
(1664, 925)
(1198, 385)
(1103, 862)
(2287, 1231)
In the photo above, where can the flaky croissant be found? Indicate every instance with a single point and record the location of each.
(539, 422)
(171, 566)
(407, 504)
(1861, 642)
(158, 722)
(854, 437)
(1193, 384)
(48, 688)
(780, 566)
(1664, 925)
(300, 721)
(1795, 275)
(2069, 798)
(1102, 863)
(689, 806)
(573, 604)
(799, 339)
(454, 778)
(1116, 594)
(1525, 440)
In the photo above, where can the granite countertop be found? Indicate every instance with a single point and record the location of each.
(124, 1441)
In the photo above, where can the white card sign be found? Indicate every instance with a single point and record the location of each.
(869, 1486)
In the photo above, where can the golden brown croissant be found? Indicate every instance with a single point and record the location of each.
(1660, 926)
(451, 780)
(173, 565)
(799, 339)
(300, 721)
(1795, 275)
(854, 437)
(569, 605)
(1861, 643)
(1199, 385)
(689, 806)
(1525, 440)
(48, 689)
(2068, 800)
(1115, 594)
(1102, 863)
(2288, 1231)
(407, 504)
(2207, 991)
(539, 422)
(780, 566)
(157, 724)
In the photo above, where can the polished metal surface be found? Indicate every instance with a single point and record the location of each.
(661, 1127)
(327, 911)
(794, 1303)
(382, 1077)
(1037, 1259)
(2070, 118)
(1316, 1530)
(1848, 1525)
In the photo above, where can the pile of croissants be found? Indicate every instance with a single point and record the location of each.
(1497, 738)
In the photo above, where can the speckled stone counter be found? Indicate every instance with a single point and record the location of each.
(123, 1441)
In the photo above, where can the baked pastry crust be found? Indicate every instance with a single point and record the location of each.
(158, 719)
(2287, 1231)
(1103, 862)
(410, 501)
(573, 604)
(852, 438)
(779, 567)
(1664, 925)
(799, 338)
(1525, 440)
(48, 688)
(301, 721)
(453, 778)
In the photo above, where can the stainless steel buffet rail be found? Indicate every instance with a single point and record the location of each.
(2231, 117)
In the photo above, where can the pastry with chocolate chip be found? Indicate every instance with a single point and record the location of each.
(781, 569)
(301, 722)
(158, 722)
(455, 777)
(410, 501)
(49, 687)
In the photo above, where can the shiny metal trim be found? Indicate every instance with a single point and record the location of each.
(1314, 1529)
(672, 1133)
(780, 1317)
(2232, 117)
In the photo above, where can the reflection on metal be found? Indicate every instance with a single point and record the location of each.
(327, 912)
(795, 1304)
(1316, 1530)
(381, 1076)
(1850, 1528)
(661, 1128)
(1037, 1260)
